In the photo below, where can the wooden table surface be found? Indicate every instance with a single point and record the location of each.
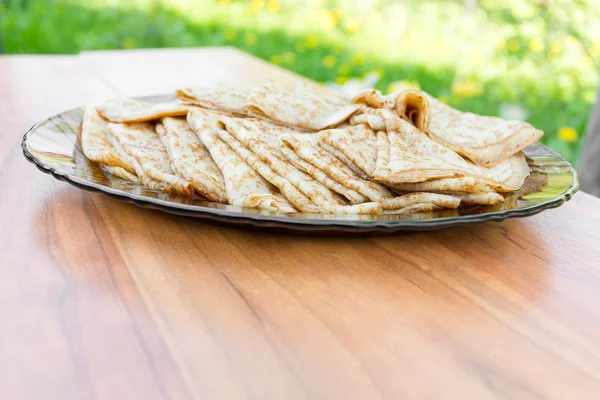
(103, 300)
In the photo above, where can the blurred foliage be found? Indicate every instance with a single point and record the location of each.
(531, 59)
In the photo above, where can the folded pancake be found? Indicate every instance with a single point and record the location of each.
(406, 155)
(476, 198)
(465, 184)
(97, 147)
(418, 202)
(148, 156)
(356, 146)
(486, 141)
(412, 105)
(417, 208)
(119, 172)
(130, 110)
(301, 109)
(304, 152)
(290, 153)
(143, 178)
(222, 99)
(469, 190)
(244, 187)
(190, 159)
(256, 141)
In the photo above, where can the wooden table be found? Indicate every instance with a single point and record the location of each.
(103, 300)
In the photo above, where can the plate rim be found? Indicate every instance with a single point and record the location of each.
(284, 221)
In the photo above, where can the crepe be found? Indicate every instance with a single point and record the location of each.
(351, 195)
(301, 109)
(465, 184)
(244, 187)
(256, 141)
(221, 99)
(476, 198)
(406, 155)
(130, 110)
(144, 179)
(148, 157)
(357, 147)
(412, 105)
(190, 159)
(420, 202)
(486, 141)
(308, 150)
(119, 172)
(98, 148)
(469, 190)
(304, 151)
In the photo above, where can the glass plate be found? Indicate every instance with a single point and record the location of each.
(52, 145)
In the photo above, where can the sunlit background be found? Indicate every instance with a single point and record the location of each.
(536, 60)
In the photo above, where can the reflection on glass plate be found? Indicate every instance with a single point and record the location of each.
(52, 145)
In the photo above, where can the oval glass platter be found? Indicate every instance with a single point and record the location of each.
(53, 146)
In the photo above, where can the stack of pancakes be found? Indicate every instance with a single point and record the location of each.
(313, 152)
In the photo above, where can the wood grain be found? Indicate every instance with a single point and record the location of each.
(154, 71)
(103, 300)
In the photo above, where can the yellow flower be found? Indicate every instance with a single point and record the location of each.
(338, 13)
(352, 26)
(129, 43)
(402, 85)
(466, 88)
(273, 6)
(250, 38)
(567, 134)
(329, 61)
(556, 47)
(340, 80)
(513, 45)
(552, 55)
(256, 5)
(328, 20)
(358, 59)
(536, 45)
(276, 59)
(311, 42)
(223, 2)
(344, 69)
(230, 34)
(288, 57)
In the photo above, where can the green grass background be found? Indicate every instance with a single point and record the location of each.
(538, 57)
